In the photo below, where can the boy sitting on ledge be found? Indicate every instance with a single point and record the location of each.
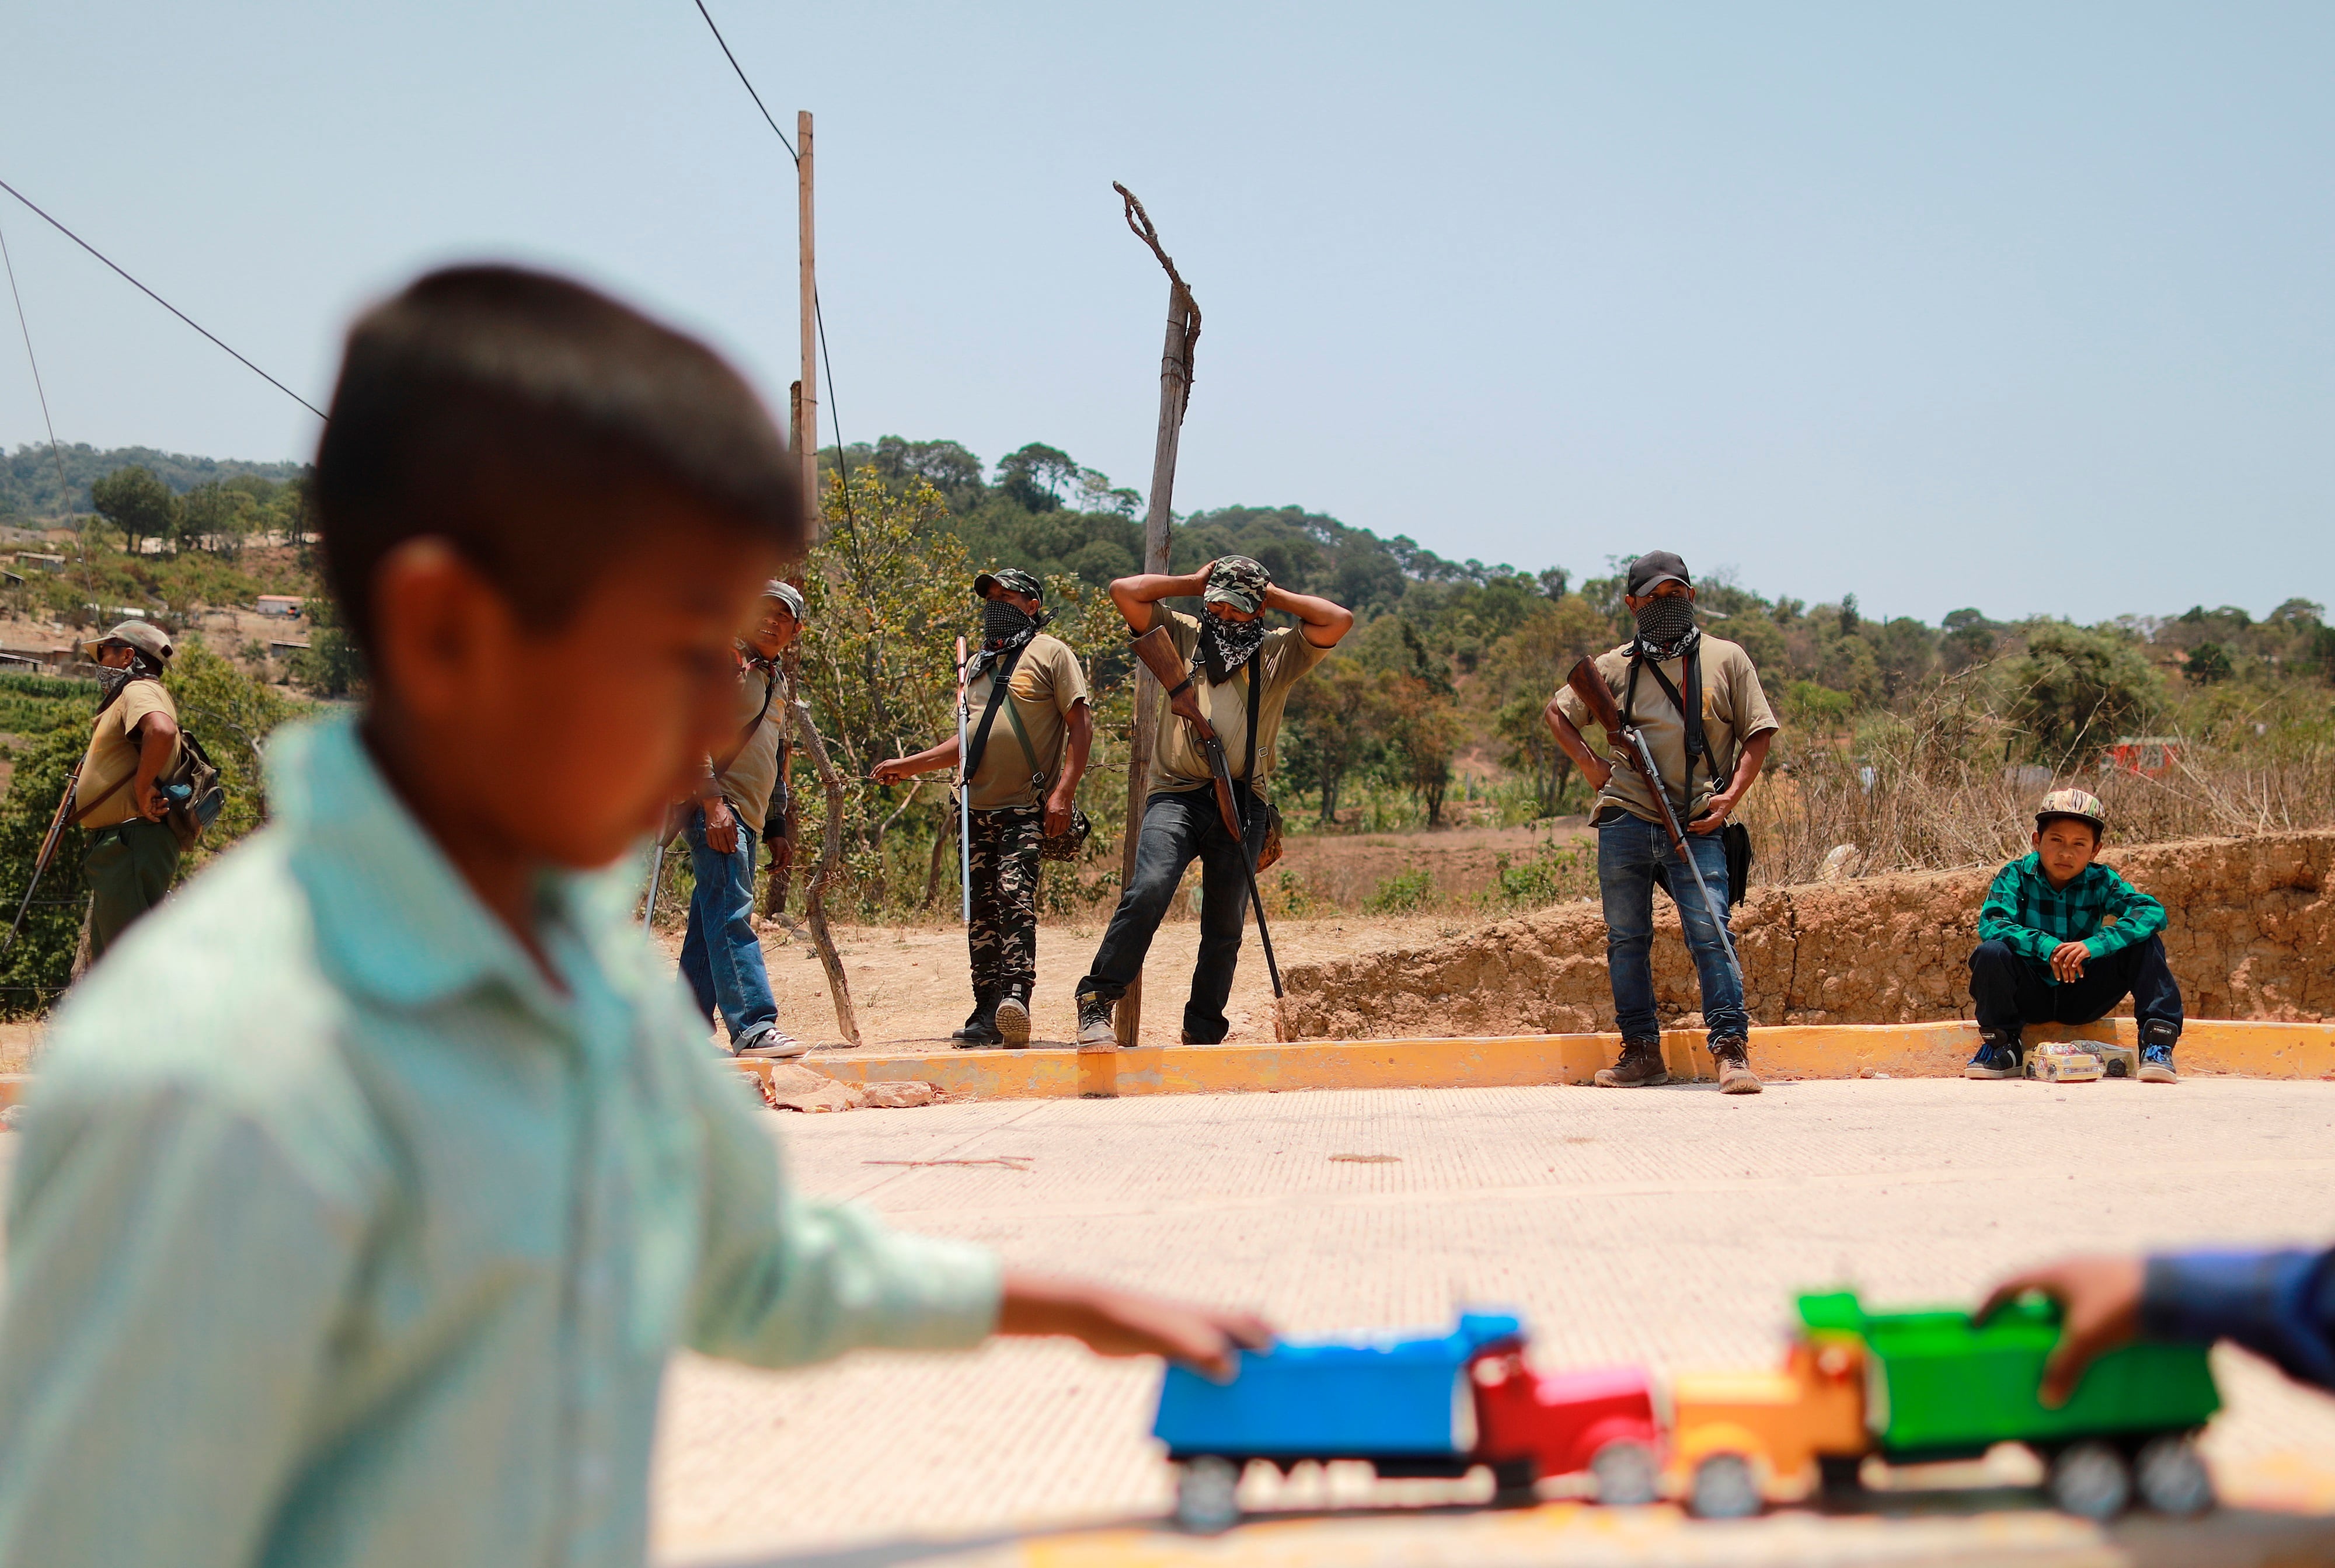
(2063, 939)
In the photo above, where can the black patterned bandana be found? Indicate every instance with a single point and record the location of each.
(1666, 628)
(1225, 645)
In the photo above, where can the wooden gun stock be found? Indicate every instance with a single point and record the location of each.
(1590, 687)
(1157, 651)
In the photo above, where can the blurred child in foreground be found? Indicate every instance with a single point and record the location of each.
(371, 1245)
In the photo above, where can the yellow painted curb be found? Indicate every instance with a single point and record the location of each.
(2292, 1050)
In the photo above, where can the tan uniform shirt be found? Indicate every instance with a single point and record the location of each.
(754, 773)
(1047, 684)
(112, 755)
(1179, 761)
(1734, 709)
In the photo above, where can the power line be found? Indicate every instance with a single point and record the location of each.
(819, 317)
(65, 486)
(158, 299)
(741, 70)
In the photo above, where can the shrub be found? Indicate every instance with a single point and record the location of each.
(1404, 893)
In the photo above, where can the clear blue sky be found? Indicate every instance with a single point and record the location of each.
(2020, 306)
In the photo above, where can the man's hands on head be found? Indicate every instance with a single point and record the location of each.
(2099, 1304)
(2068, 961)
(1124, 1323)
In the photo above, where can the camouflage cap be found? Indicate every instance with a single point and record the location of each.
(1012, 579)
(2078, 803)
(1239, 582)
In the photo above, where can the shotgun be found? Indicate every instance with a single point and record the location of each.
(1156, 649)
(48, 851)
(1631, 744)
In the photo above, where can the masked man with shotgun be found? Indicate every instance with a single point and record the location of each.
(1227, 677)
(1690, 729)
(1031, 728)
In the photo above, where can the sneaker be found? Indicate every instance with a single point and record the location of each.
(1640, 1066)
(1013, 1021)
(1998, 1057)
(1734, 1059)
(1094, 1023)
(2157, 1039)
(975, 1035)
(771, 1043)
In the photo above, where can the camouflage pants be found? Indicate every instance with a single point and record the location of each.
(1003, 935)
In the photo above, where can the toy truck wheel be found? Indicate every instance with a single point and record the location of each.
(1514, 1484)
(1625, 1474)
(1840, 1476)
(1724, 1488)
(2090, 1480)
(2172, 1479)
(1208, 1496)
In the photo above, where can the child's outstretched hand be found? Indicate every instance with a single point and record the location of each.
(1122, 1324)
(2099, 1305)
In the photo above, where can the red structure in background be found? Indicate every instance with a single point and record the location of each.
(2150, 756)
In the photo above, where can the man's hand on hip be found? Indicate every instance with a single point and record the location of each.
(1715, 812)
(721, 827)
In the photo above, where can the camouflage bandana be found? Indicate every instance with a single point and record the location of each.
(1239, 582)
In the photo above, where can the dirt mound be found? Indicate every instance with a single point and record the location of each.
(2251, 934)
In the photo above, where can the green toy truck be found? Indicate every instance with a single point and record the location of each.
(1939, 1386)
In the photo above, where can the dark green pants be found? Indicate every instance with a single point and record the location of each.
(129, 867)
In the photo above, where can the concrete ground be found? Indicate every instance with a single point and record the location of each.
(1667, 1226)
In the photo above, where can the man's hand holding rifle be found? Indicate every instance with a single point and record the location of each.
(1690, 729)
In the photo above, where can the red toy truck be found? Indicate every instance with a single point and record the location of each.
(1410, 1405)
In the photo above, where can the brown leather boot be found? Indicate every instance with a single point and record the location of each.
(1640, 1066)
(1735, 1074)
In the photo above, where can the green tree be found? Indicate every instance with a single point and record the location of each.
(2207, 664)
(2076, 690)
(36, 971)
(214, 516)
(138, 504)
(1335, 717)
(331, 665)
(234, 716)
(1423, 735)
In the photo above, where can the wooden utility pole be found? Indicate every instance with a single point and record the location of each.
(807, 443)
(1175, 393)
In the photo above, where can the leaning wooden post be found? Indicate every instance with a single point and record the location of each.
(1175, 393)
(830, 860)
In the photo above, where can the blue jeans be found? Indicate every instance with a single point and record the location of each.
(1179, 827)
(722, 958)
(1628, 850)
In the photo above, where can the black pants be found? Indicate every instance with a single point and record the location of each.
(1178, 829)
(2009, 990)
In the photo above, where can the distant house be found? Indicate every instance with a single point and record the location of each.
(2150, 756)
(40, 563)
(280, 603)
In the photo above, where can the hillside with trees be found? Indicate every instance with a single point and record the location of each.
(1905, 744)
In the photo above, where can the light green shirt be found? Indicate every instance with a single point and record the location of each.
(338, 1237)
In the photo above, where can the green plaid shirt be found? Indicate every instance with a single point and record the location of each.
(2100, 909)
